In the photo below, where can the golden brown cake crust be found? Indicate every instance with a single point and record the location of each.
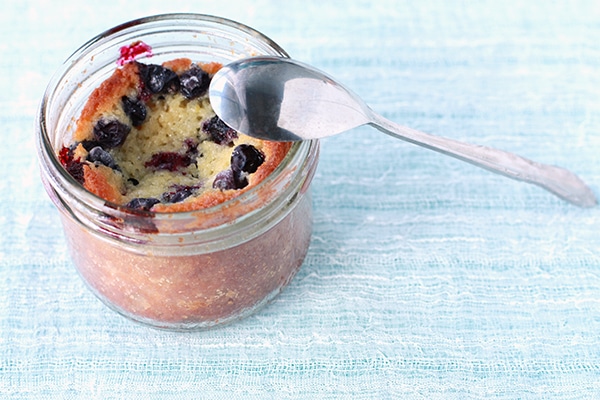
(122, 82)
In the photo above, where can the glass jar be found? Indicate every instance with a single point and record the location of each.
(186, 270)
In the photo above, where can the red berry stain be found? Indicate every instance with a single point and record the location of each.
(133, 51)
(170, 161)
(73, 167)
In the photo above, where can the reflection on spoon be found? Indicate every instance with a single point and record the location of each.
(280, 99)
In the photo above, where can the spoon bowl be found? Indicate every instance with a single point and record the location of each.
(280, 99)
(283, 100)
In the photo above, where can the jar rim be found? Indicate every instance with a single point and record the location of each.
(295, 160)
(171, 17)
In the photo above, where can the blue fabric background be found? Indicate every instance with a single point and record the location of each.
(426, 277)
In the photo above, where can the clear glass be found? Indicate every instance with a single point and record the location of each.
(189, 270)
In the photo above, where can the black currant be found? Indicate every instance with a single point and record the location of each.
(101, 156)
(218, 131)
(142, 203)
(135, 110)
(178, 194)
(246, 158)
(158, 79)
(110, 133)
(194, 83)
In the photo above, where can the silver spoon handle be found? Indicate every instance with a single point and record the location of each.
(556, 180)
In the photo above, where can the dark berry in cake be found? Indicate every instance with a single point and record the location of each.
(169, 161)
(158, 79)
(218, 131)
(224, 180)
(73, 166)
(142, 203)
(178, 193)
(194, 83)
(246, 158)
(110, 133)
(192, 147)
(241, 181)
(135, 110)
(90, 144)
(101, 156)
(228, 179)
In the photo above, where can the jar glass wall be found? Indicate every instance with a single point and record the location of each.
(185, 270)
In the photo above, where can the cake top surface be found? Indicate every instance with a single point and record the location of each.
(147, 138)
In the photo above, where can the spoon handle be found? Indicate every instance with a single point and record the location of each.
(556, 180)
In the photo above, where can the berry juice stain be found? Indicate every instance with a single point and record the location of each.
(133, 51)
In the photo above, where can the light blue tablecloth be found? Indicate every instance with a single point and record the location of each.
(426, 277)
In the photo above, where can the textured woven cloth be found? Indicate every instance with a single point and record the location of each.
(426, 277)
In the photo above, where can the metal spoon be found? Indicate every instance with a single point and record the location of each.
(280, 99)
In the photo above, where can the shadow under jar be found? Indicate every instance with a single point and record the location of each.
(180, 270)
